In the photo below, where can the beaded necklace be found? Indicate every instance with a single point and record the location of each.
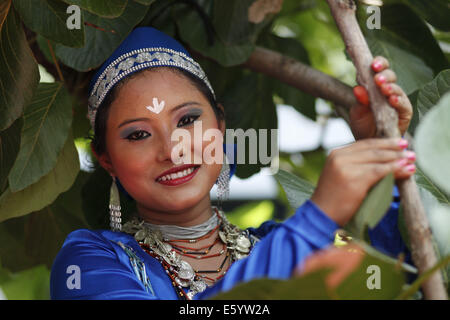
(236, 244)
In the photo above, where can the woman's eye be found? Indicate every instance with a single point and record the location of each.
(138, 135)
(187, 120)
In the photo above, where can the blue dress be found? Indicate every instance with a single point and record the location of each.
(105, 271)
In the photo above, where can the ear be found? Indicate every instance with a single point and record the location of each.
(222, 123)
(104, 161)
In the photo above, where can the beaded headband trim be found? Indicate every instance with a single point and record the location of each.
(137, 60)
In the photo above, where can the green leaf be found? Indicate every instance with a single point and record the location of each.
(355, 286)
(302, 102)
(435, 12)
(95, 200)
(250, 96)
(103, 36)
(9, 149)
(49, 18)
(426, 183)
(37, 237)
(18, 69)
(297, 189)
(145, 2)
(308, 287)
(428, 96)
(46, 190)
(432, 144)
(373, 208)
(408, 31)
(32, 284)
(47, 122)
(411, 71)
(439, 218)
(102, 8)
(234, 36)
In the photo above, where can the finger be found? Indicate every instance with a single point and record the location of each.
(374, 143)
(382, 156)
(380, 63)
(389, 89)
(401, 170)
(361, 95)
(385, 76)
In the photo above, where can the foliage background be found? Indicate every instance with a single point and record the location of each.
(43, 193)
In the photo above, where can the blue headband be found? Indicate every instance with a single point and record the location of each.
(144, 47)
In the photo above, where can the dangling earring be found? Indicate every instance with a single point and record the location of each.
(223, 182)
(115, 220)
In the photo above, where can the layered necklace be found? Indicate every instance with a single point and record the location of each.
(169, 244)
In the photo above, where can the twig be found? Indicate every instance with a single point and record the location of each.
(422, 250)
(58, 69)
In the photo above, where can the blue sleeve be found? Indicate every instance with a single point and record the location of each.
(100, 265)
(386, 236)
(282, 250)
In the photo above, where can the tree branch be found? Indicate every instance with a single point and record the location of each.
(423, 253)
(302, 77)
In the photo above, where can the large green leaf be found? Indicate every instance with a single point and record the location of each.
(297, 189)
(435, 12)
(9, 149)
(49, 18)
(302, 102)
(412, 72)
(234, 36)
(46, 190)
(102, 8)
(95, 200)
(32, 284)
(373, 208)
(428, 96)
(408, 31)
(426, 183)
(312, 286)
(47, 122)
(249, 106)
(103, 36)
(18, 69)
(432, 144)
(37, 237)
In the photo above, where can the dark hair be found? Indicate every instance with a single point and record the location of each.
(99, 139)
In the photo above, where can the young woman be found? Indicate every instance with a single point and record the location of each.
(181, 247)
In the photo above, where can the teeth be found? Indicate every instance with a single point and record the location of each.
(176, 175)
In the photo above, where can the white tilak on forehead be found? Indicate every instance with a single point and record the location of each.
(157, 106)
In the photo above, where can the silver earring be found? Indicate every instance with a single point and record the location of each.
(223, 182)
(115, 219)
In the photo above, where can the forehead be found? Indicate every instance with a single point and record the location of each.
(138, 92)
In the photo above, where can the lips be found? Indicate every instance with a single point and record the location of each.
(178, 174)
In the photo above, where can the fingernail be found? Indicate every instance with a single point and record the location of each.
(410, 155)
(376, 66)
(403, 143)
(410, 168)
(402, 162)
(394, 100)
(389, 89)
(381, 79)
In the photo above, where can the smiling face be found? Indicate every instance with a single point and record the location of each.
(139, 140)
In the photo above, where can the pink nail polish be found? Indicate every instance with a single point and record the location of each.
(376, 66)
(403, 143)
(402, 162)
(410, 168)
(411, 155)
(381, 79)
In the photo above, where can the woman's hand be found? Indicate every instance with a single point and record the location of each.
(350, 172)
(362, 121)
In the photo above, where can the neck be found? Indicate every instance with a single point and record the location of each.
(185, 217)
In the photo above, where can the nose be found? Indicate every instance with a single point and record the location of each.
(169, 149)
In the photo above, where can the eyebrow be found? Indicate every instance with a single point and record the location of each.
(185, 104)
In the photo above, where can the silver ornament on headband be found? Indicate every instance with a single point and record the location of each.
(137, 60)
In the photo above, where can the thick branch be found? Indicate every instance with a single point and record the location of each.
(423, 253)
(302, 77)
